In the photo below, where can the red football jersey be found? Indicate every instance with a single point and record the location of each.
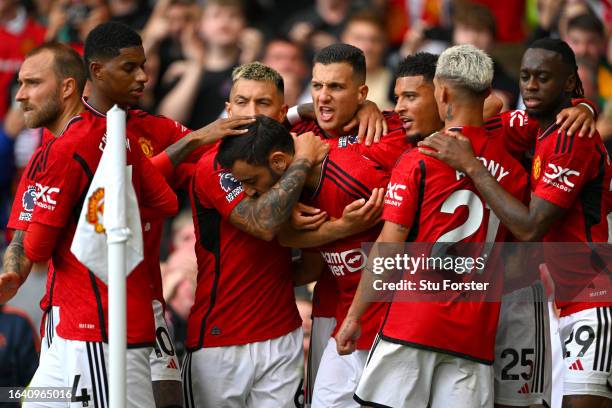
(244, 291)
(573, 173)
(84, 313)
(25, 200)
(325, 296)
(438, 203)
(154, 134)
(386, 152)
(345, 177)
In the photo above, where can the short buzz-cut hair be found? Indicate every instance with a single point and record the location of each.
(256, 71)
(419, 64)
(263, 136)
(467, 67)
(108, 39)
(67, 63)
(346, 53)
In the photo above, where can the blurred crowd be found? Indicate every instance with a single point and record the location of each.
(192, 47)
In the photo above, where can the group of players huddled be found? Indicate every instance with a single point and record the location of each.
(444, 166)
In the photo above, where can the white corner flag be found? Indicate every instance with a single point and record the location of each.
(100, 217)
(110, 244)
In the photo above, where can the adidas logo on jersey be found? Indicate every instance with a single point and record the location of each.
(215, 331)
(524, 389)
(172, 364)
(577, 365)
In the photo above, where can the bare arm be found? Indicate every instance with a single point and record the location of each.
(526, 223)
(309, 269)
(16, 267)
(206, 135)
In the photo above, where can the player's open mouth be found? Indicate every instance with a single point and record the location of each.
(532, 102)
(326, 113)
(406, 123)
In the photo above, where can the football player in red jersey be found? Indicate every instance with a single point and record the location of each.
(444, 348)
(77, 354)
(570, 185)
(334, 182)
(51, 79)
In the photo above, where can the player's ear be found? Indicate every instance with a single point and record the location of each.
(362, 93)
(283, 113)
(68, 87)
(570, 83)
(278, 162)
(95, 68)
(228, 109)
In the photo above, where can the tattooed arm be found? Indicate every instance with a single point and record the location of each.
(16, 267)
(263, 216)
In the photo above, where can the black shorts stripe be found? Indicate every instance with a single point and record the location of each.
(98, 368)
(190, 384)
(606, 330)
(104, 376)
(376, 342)
(184, 379)
(597, 339)
(543, 334)
(308, 387)
(356, 183)
(609, 363)
(92, 375)
(333, 178)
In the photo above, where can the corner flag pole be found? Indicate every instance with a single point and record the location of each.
(117, 236)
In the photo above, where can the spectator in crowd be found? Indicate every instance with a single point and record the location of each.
(169, 35)
(199, 96)
(287, 58)
(587, 38)
(366, 31)
(19, 348)
(319, 26)
(134, 13)
(474, 24)
(71, 21)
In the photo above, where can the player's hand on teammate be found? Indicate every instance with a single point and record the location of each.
(310, 147)
(370, 122)
(577, 118)
(305, 217)
(221, 128)
(361, 215)
(347, 335)
(9, 284)
(452, 148)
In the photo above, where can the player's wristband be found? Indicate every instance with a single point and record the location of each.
(293, 116)
(588, 106)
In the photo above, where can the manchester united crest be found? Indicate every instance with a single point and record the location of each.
(95, 210)
(537, 166)
(146, 146)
